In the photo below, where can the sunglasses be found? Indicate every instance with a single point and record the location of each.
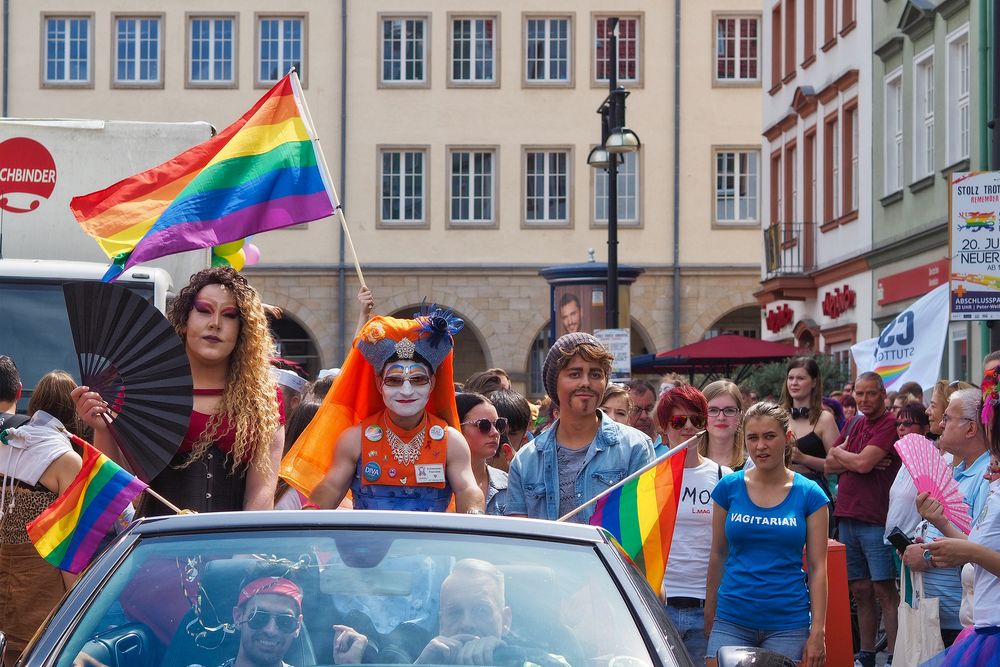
(286, 623)
(484, 425)
(905, 423)
(677, 421)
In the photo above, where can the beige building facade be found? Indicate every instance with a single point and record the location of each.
(457, 134)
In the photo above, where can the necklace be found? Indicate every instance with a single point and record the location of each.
(405, 452)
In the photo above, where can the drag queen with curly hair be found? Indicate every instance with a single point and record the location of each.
(229, 458)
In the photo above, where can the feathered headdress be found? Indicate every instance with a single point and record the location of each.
(991, 395)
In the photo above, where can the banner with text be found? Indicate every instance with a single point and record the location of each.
(619, 343)
(974, 243)
(910, 348)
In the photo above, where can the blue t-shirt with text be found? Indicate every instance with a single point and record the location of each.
(763, 584)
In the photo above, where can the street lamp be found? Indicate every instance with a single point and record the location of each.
(616, 140)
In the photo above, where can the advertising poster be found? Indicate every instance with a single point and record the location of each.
(619, 343)
(974, 240)
(578, 308)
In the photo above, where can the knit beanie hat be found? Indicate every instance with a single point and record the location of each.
(566, 342)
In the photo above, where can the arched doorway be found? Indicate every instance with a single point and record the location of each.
(470, 350)
(742, 321)
(294, 342)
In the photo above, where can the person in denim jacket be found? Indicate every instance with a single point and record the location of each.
(584, 452)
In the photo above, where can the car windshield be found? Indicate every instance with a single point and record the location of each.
(187, 600)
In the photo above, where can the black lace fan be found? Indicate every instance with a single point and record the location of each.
(134, 359)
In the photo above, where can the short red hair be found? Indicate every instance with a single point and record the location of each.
(684, 396)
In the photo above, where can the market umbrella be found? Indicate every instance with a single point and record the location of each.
(131, 355)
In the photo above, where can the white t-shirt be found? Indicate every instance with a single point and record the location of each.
(986, 531)
(687, 566)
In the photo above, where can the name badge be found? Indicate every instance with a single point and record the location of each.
(429, 473)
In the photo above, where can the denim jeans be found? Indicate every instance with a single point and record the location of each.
(789, 643)
(690, 624)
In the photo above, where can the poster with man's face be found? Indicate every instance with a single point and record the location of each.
(578, 308)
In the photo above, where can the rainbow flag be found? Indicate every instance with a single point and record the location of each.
(640, 514)
(69, 531)
(263, 172)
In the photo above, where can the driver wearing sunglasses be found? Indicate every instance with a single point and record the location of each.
(268, 616)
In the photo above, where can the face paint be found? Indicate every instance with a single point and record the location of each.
(406, 387)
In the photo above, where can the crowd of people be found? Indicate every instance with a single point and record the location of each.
(763, 481)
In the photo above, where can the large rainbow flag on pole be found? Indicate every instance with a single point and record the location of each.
(68, 533)
(263, 172)
(640, 513)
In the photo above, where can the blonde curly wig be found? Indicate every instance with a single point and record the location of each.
(249, 400)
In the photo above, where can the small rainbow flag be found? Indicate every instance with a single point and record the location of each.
(263, 172)
(68, 533)
(640, 514)
(892, 373)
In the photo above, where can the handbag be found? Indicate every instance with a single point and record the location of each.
(918, 638)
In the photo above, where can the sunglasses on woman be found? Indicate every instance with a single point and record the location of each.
(484, 425)
(906, 423)
(286, 623)
(677, 421)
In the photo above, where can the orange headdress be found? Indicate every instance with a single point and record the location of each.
(354, 396)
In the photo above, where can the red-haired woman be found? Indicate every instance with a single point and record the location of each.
(682, 413)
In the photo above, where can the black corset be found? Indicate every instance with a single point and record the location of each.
(207, 485)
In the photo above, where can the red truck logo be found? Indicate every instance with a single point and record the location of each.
(27, 175)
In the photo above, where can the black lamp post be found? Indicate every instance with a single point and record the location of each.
(616, 140)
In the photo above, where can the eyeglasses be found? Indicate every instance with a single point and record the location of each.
(725, 412)
(677, 421)
(945, 419)
(397, 380)
(636, 409)
(259, 619)
(484, 425)
(906, 423)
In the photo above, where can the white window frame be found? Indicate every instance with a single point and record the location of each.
(629, 188)
(137, 45)
(475, 42)
(547, 175)
(633, 82)
(546, 60)
(836, 187)
(740, 155)
(66, 61)
(408, 62)
(283, 63)
(779, 215)
(958, 114)
(214, 43)
(817, 142)
(855, 118)
(892, 134)
(400, 186)
(471, 185)
(738, 55)
(923, 114)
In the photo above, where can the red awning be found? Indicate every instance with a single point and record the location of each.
(727, 349)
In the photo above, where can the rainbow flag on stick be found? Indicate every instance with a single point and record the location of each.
(263, 172)
(69, 531)
(640, 512)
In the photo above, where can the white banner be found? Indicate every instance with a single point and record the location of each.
(910, 347)
(618, 342)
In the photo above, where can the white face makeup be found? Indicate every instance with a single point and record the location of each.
(406, 387)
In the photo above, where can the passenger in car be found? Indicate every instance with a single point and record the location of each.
(268, 616)
(474, 621)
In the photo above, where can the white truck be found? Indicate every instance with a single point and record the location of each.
(43, 165)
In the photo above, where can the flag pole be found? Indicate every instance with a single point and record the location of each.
(649, 466)
(325, 171)
(174, 508)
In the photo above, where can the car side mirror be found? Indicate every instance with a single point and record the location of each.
(745, 656)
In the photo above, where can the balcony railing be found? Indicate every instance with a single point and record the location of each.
(789, 249)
